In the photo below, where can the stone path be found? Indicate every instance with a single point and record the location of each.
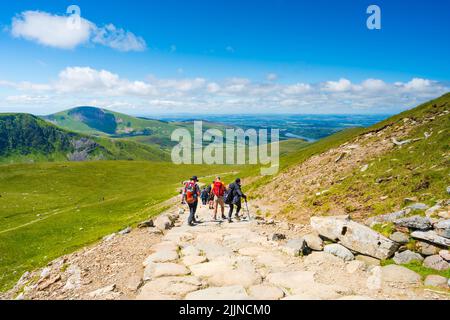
(218, 260)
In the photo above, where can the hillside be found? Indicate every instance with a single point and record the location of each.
(25, 138)
(366, 172)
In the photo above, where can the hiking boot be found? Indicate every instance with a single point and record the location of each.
(237, 218)
(223, 217)
(230, 221)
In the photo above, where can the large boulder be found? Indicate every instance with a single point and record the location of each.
(339, 251)
(407, 257)
(354, 236)
(414, 222)
(431, 236)
(443, 228)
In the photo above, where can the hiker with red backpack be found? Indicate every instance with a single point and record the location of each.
(218, 190)
(191, 193)
(233, 198)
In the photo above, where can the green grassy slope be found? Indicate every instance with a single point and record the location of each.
(419, 169)
(106, 123)
(25, 138)
(50, 209)
(92, 120)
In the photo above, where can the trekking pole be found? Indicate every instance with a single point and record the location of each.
(248, 211)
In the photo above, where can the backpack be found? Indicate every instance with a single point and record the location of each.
(218, 189)
(228, 197)
(191, 192)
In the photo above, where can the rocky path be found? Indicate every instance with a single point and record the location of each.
(218, 260)
(215, 260)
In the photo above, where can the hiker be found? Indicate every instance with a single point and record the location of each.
(191, 193)
(210, 196)
(233, 198)
(204, 196)
(218, 190)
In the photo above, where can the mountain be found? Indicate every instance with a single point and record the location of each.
(366, 172)
(25, 137)
(102, 122)
(93, 120)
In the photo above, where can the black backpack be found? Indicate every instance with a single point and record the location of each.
(228, 196)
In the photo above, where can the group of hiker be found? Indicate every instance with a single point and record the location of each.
(214, 195)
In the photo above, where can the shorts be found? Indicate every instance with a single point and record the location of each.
(219, 200)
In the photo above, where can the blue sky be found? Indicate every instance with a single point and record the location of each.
(206, 56)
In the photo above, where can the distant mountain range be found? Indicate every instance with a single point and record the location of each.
(25, 138)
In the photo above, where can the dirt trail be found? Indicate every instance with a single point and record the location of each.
(214, 260)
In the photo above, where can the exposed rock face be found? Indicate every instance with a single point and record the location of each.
(431, 236)
(414, 222)
(354, 236)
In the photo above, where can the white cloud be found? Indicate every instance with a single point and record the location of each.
(213, 87)
(118, 39)
(26, 99)
(84, 85)
(297, 88)
(50, 30)
(417, 84)
(59, 32)
(338, 86)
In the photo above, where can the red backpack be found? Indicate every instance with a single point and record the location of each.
(191, 192)
(218, 189)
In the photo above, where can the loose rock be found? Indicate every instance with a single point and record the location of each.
(399, 237)
(314, 242)
(431, 236)
(339, 251)
(407, 257)
(414, 222)
(297, 247)
(445, 254)
(436, 281)
(436, 262)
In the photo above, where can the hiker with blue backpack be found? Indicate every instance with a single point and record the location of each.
(191, 194)
(233, 198)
